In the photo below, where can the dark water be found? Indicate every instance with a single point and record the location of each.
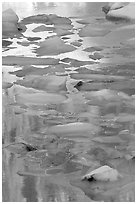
(66, 118)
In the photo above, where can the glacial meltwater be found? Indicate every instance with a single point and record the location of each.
(68, 102)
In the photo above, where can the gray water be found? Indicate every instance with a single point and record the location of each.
(99, 94)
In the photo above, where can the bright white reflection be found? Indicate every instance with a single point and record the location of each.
(24, 9)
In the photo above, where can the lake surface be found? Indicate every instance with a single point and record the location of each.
(68, 105)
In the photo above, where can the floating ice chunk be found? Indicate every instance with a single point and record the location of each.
(90, 31)
(20, 148)
(62, 32)
(96, 56)
(10, 25)
(64, 26)
(113, 6)
(6, 43)
(109, 140)
(41, 18)
(65, 38)
(47, 19)
(103, 173)
(6, 85)
(120, 10)
(89, 86)
(57, 20)
(83, 70)
(73, 128)
(9, 29)
(117, 5)
(40, 98)
(33, 38)
(53, 46)
(127, 12)
(76, 63)
(76, 43)
(30, 70)
(25, 43)
(92, 49)
(85, 21)
(42, 28)
(99, 77)
(17, 60)
(10, 16)
(50, 83)
(105, 94)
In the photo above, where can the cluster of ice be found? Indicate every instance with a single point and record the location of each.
(10, 25)
(120, 10)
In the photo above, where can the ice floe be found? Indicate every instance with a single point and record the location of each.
(53, 46)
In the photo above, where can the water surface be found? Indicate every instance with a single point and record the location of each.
(64, 118)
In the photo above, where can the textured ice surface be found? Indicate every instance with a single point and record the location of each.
(53, 46)
(17, 60)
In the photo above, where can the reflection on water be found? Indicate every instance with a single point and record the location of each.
(60, 8)
(28, 190)
(11, 182)
(87, 120)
